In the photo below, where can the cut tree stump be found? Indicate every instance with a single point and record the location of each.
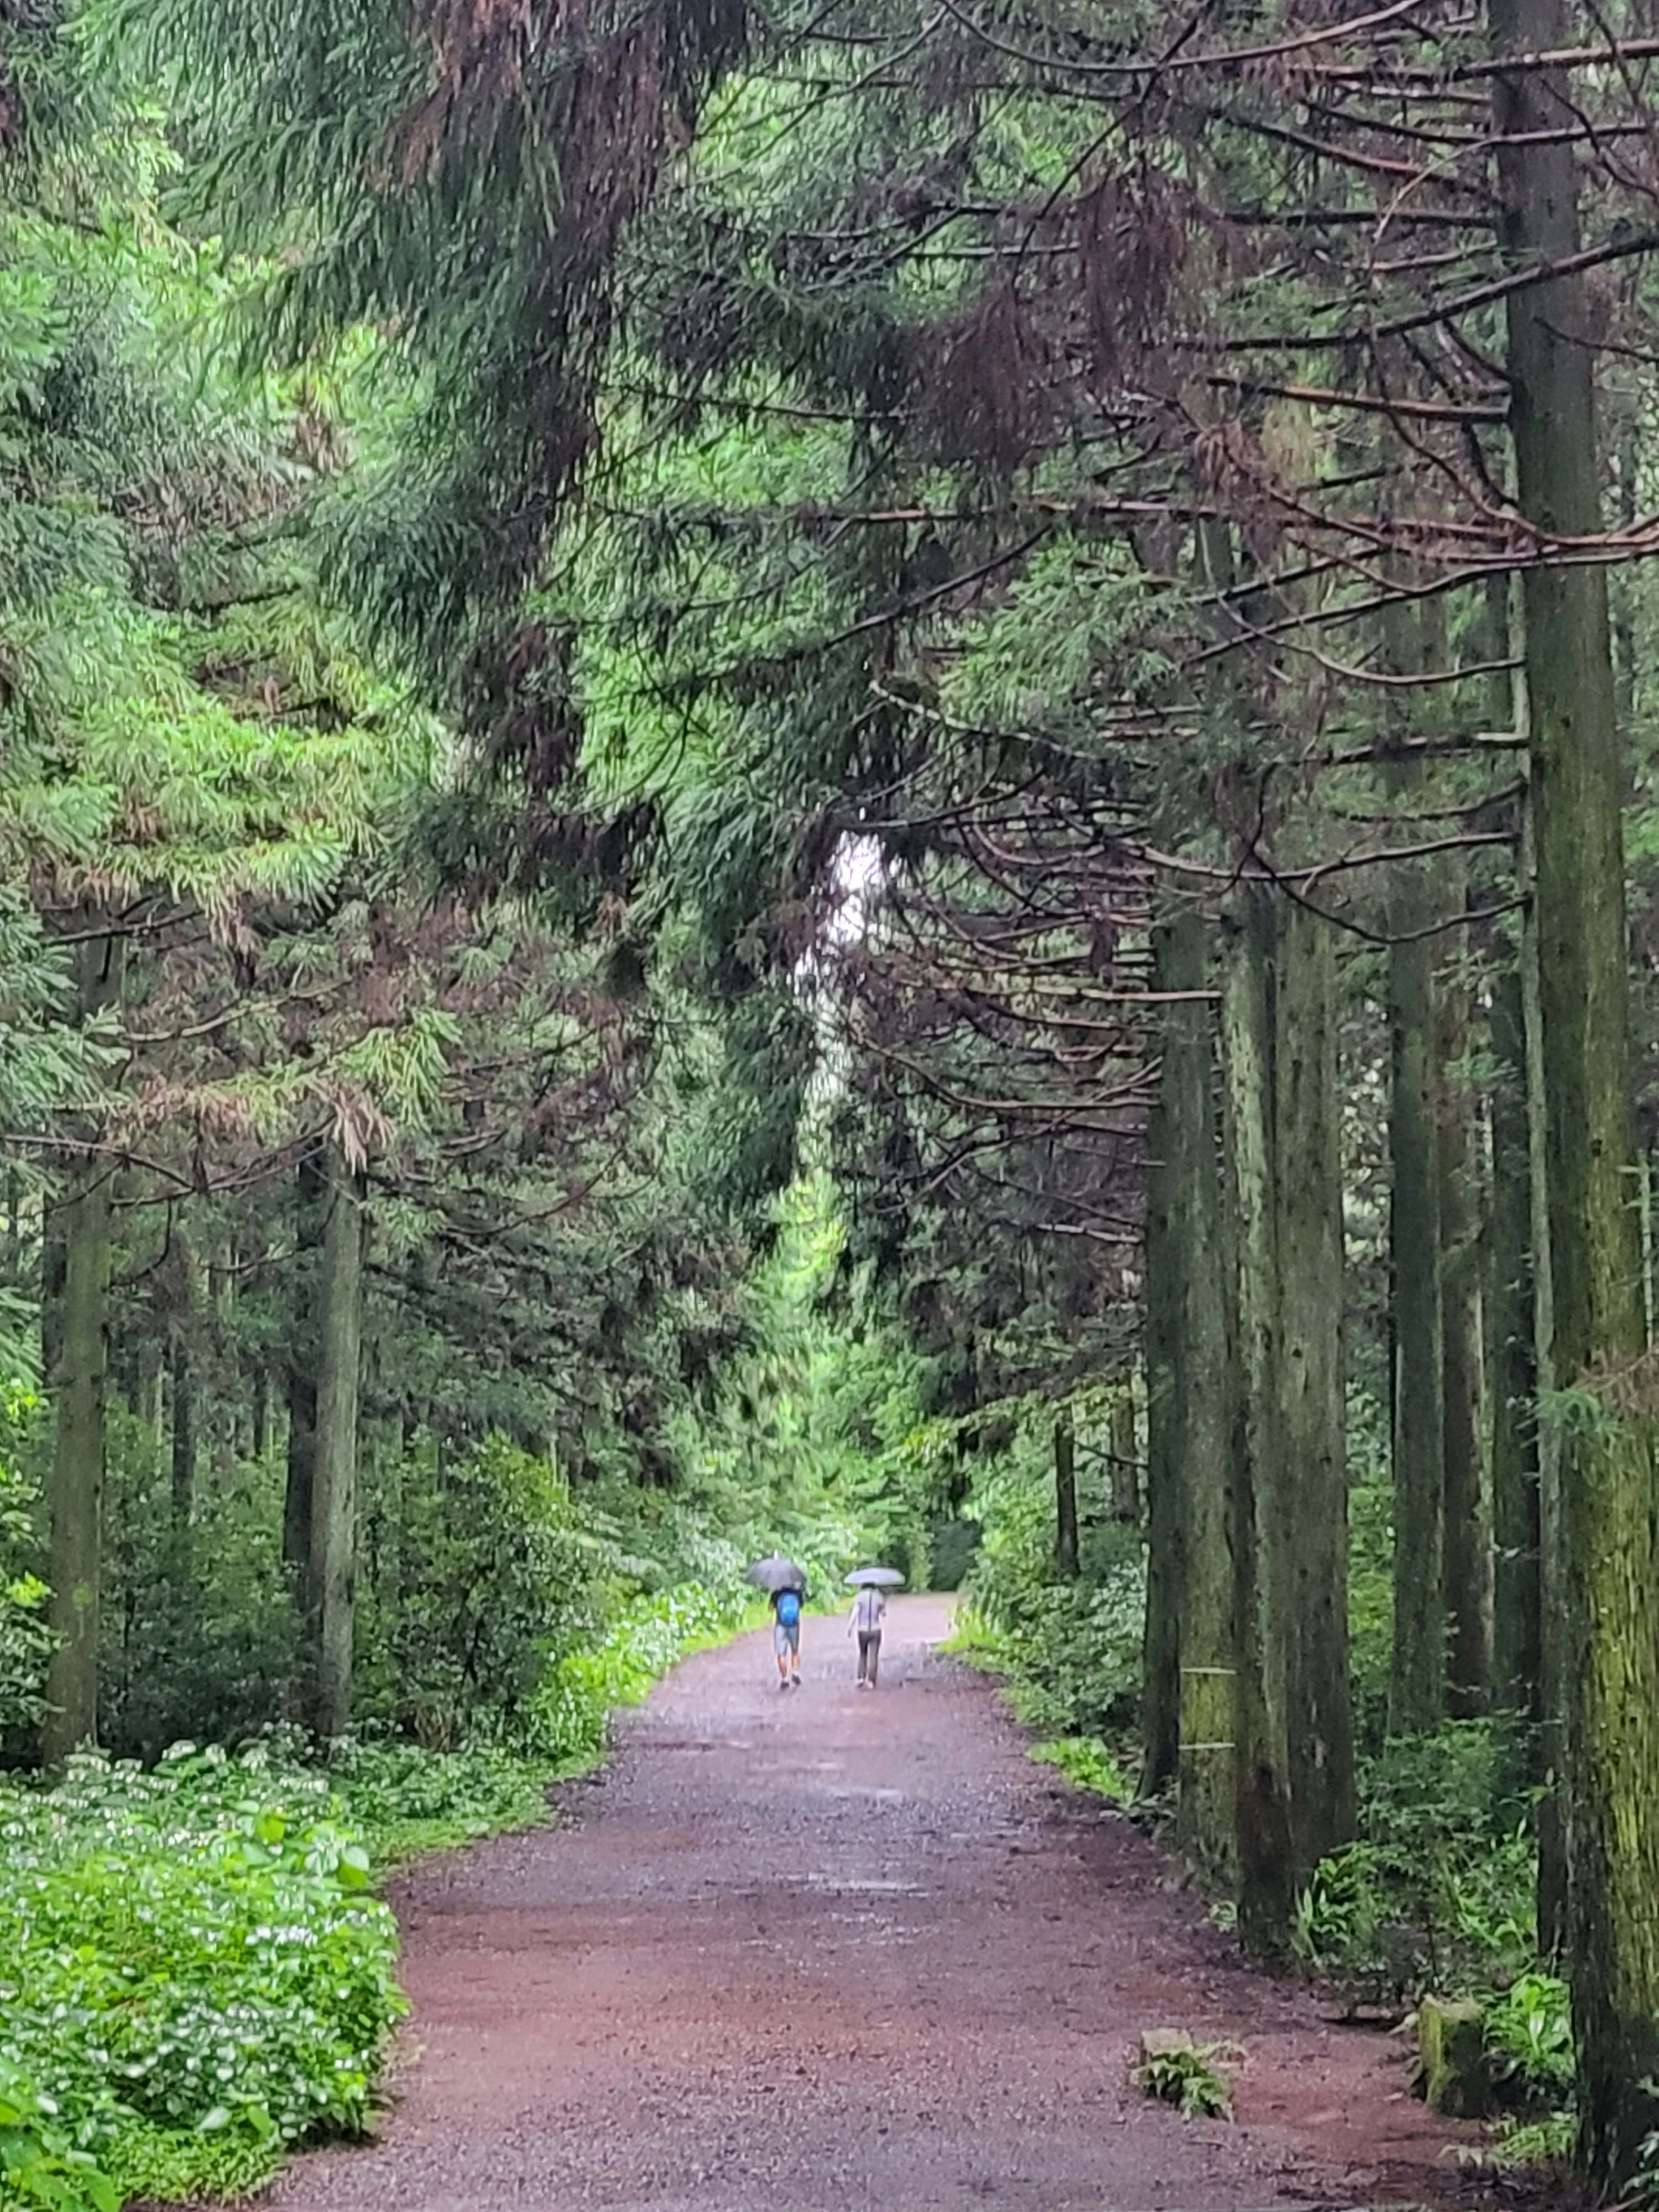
(1454, 2071)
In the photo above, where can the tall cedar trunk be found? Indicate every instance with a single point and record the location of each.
(1609, 1658)
(184, 1397)
(1419, 1397)
(332, 1578)
(1551, 1899)
(1065, 1558)
(310, 1186)
(75, 1333)
(1267, 1864)
(1160, 1718)
(259, 1418)
(1307, 1176)
(1202, 1382)
(1517, 1596)
(1125, 1451)
(1465, 1566)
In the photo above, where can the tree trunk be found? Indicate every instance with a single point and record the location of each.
(1307, 1178)
(1418, 1425)
(259, 1418)
(332, 1577)
(309, 1189)
(1517, 1597)
(184, 1397)
(1267, 1863)
(1125, 1451)
(1466, 1567)
(76, 1331)
(1065, 1559)
(1203, 1387)
(1160, 1718)
(1609, 1658)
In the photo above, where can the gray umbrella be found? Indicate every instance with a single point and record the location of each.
(875, 1578)
(777, 1573)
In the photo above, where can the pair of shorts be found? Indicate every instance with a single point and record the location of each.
(786, 1637)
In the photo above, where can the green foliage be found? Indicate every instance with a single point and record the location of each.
(405, 1801)
(39, 2164)
(1529, 2032)
(487, 1569)
(1087, 1761)
(195, 1973)
(1186, 2075)
(1439, 1889)
(24, 1640)
(1070, 1649)
(572, 1709)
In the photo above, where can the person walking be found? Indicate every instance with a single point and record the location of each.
(785, 1634)
(869, 1611)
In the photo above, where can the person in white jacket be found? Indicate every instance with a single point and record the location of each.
(869, 1611)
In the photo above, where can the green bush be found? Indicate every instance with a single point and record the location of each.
(486, 1570)
(1071, 1650)
(573, 1707)
(192, 1972)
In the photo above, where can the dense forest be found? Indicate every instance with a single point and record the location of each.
(874, 779)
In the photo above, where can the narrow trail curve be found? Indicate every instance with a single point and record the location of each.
(823, 1949)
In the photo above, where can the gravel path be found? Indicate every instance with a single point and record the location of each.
(823, 1949)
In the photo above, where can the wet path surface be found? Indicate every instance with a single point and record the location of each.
(826, 1949)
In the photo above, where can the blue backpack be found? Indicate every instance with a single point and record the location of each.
(789, 1608)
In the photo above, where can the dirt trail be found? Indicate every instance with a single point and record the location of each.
(823, 1949)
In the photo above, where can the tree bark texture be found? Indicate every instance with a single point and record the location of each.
(1466, 1567)
(1124, 1446)
(76, 1335)
(1609, 1655)
(333, 1571)
(1160, 1714)
(1418, 1669)
(310, 1188)
(1266, 1865)
(182, 1377)
(1308, 1192)
(1066, 1555)
(1518, 1596)
(1201, 1371)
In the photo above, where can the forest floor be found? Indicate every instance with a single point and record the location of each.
(826, 1949)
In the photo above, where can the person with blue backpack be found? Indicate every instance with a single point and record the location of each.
(785, 1604)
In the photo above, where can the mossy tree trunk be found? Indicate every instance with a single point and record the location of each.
(1160, 1713)
(1065, 1553)
(1200, 1371)
(1417, 1673)
(1266, 1855)
(310, 1186)
(1609, 1653)
(1307, 1179)
(1124, 1446)
(75, 1333)
(1466, 1567)
(182, 1378)
(333, 1571)
(1517, 1594)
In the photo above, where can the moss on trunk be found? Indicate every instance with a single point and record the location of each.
(1608, 1672)
(334, 1505)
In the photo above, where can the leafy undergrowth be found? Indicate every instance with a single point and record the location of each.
(193, 1974)
(1087, 1761)
(196, 1972)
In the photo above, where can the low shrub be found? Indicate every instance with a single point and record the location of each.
(194, 1973)
(1088, 1762)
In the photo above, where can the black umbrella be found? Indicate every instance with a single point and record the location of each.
(777, 1573)
(875, 1578)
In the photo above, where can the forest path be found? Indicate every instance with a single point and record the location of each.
(825, 1949)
